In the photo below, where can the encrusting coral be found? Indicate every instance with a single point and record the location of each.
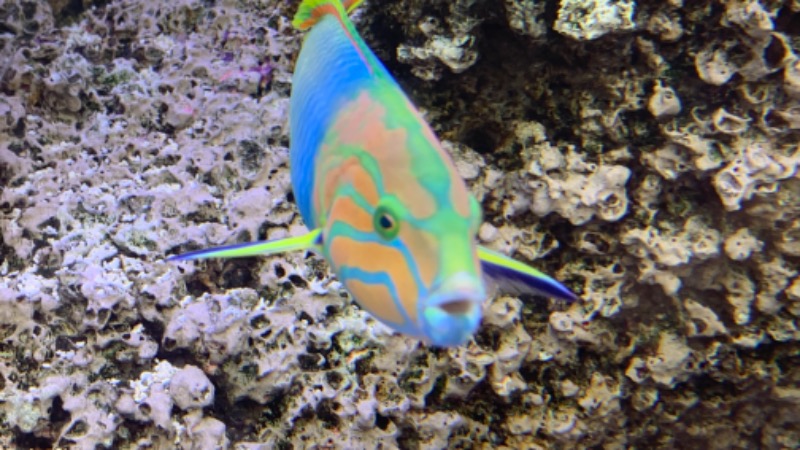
(645, 152)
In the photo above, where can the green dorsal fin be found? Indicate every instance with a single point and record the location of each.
(311, 11)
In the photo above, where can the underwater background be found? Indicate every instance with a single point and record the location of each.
(645, 153)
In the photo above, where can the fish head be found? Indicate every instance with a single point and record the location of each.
(419, 275)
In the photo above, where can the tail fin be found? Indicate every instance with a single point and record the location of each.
(311, 11)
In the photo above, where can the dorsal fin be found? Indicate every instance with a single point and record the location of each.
(311, 11)
(350, 5)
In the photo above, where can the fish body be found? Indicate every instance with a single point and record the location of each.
(383, 200)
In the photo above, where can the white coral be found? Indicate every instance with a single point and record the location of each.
(755, 171)
(589, 19)
(664, 102)
(586, 190)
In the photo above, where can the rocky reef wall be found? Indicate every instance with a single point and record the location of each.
(645, 152)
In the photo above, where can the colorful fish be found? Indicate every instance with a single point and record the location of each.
(383, 200)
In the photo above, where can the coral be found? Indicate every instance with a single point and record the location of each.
(664, 102)
(741, 244)
(713, 65)
(590, 19)
(205, 432)
(190, 388)
(665, 24)
(667, 367)
(454, 52)
(791, 78)
(676, 249)
(704, 321)
(26, 18)
(755, 171)
(668, 161)
(527, 18)
(563, 182)
(448, 42)
(577, 196)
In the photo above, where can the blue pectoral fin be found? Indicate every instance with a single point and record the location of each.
(516, 277)
(310, 240)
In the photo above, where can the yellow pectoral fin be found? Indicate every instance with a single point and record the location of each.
(515, 276)
(310, 240)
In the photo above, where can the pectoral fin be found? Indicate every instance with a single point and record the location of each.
(516, 277)
(310, 240)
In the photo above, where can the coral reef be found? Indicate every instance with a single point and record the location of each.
(646, 152)
(590, 19)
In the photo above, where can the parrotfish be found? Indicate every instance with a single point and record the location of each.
(383, 200)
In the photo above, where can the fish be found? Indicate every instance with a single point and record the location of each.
(383, 201)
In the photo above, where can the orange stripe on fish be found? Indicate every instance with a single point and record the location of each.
(385, 310)
(371, 256)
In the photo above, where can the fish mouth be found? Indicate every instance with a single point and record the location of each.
(452, 311)
(457, 306)
(458, 295)
(457, 303)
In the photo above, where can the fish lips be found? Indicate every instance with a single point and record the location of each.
(451, 313)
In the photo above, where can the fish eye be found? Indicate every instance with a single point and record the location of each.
(386, 222)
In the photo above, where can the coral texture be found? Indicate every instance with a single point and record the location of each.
(644, 152)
